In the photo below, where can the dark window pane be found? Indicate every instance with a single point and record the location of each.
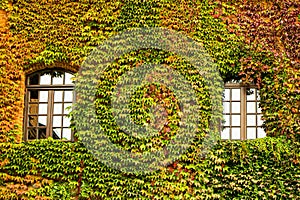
(34, 95)
(42, 133)
(34, 79)
(33, 121)
(33, 108)
(31, 132)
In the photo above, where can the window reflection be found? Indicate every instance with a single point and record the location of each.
(67, 134)
(68, 78)
(68, 96)
(56, 133)
(57, 108)
(42, 133)
(236, 120)
(225, 134)
(42, 120)
(236, 107)
(236, 94)
(43, 108)
(58, 96)
(45, 79)
(58, 80)
(57, 121)
(236, 133)
(43, 97)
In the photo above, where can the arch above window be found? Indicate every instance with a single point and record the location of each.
(48, 100)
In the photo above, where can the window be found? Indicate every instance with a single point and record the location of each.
(48, 99)
(241, 113)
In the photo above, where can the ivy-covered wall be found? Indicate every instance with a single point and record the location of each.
(256, 41)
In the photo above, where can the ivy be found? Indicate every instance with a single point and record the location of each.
(256, 41)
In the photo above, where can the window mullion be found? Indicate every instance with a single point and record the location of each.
(243, 112)
(50, 113)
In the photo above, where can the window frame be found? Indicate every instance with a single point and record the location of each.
(50, 88)
(243, 111)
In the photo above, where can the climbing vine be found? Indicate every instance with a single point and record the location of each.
(253, 41)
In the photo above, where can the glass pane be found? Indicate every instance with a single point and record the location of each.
(33, 121)
(43, 96)
(57, 108)
(225, 134)
(226, 107)
(236, 133)
(31, 132)
(236, 120)
(33, 108)
(68, 78)
(67, 134)
(58, 96)
(227, 120)
(45, 79)
(34, 79)
(251, 120)
(251, 133)
(251, 107)
(42, 133)
(67, 108)
(251, 95)
(42, 120)
(227, 95)
(56, 133)
(236, 107)
(236, 94)
(68, 96)
(57, 121)
(259, 120)
(58, 80)
(258, 108)
(261, 133)
(66, 121)
(43, 108)
(34, 96)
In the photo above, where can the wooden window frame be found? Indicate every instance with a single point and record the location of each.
(243, 111)
(50, 104)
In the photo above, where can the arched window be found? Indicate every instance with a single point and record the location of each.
(49, 97)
